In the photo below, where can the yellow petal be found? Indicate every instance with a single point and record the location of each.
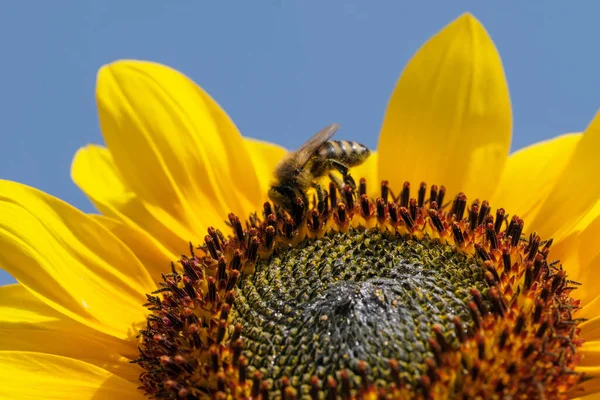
(590, 329)
(153, 256)
(576, 190)
(265, 157)
(174, 147)
(593, 396)
(530, 174)
(28, 375)
(591, 353)
(19, 308)
(448, 121)
(370, 171)
(590, 310)
(587, 390)
(70, 261)
(579, 255)
(27, 324)
(590, 365)
(94, 171)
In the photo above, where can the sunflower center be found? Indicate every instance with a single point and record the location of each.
(402, 297)
(361, 296)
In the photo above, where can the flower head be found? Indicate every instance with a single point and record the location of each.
(449, 270)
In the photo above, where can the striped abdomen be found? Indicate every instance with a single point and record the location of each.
(346, 152)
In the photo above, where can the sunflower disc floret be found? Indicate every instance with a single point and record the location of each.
(405, 297)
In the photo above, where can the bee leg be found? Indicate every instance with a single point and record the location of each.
(280, 212)
(305, 200)
(338, 182)
(320, 198)
(319, 202)
(287, 200)
(348, 180)
(339, 166)
(343, 169)
(341, 184)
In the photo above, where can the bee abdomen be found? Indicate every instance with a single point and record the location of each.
(347, 152)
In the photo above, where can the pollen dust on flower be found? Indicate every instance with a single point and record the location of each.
(405, 297)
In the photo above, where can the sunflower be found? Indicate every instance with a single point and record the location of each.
(401, 287)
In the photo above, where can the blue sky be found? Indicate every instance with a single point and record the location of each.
(281, 68)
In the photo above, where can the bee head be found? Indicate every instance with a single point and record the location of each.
(283, 196)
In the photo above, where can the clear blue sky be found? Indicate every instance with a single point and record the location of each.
(281, 68)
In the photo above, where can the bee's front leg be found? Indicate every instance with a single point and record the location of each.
(320, 204)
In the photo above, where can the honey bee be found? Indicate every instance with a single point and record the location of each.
(298, 171)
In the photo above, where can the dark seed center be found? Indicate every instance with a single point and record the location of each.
(330, 303)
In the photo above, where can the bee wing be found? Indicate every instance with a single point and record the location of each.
(308, 149)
